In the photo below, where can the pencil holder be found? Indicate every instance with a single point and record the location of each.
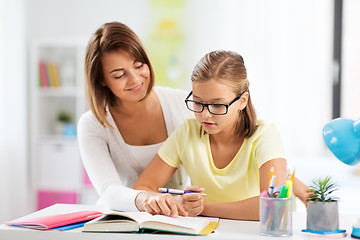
(275, 217)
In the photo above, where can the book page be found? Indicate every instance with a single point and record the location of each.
(162, 222)
(113, 221)
(211, 219)
(136, 216)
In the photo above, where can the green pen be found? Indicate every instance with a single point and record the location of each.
(283, 192)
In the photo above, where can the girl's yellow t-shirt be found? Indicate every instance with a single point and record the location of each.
(190, 146)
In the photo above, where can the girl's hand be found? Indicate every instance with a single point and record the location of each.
(159, 203)
(193, 202)
(301, 190)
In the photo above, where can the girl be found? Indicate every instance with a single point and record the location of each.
(225, 150)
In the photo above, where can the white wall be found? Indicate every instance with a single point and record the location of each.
(80, 18)
(350, 104)
(3, 162)
(14, 200)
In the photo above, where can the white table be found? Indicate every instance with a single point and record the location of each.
(227, 229)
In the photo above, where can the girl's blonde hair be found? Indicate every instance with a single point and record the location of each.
(228, 68)
(109, 37)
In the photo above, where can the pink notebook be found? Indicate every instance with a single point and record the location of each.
(48, 222)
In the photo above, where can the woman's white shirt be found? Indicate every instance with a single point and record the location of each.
(142, 153)
(113, 166)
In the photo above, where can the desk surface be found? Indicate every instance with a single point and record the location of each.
(227, 229)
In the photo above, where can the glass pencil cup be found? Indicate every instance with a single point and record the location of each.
(275, 217)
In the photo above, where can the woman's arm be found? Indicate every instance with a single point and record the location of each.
(100, 167)
(247, 209)
(156, 174)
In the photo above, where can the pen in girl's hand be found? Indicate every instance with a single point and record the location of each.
(176, 191)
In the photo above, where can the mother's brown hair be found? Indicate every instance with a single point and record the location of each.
(228, 67)
(109, 37)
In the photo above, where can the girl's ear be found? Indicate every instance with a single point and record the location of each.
(244, 100)
(103, 84)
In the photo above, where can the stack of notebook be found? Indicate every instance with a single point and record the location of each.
(59, 221)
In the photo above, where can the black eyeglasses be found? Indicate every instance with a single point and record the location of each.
(214, 108)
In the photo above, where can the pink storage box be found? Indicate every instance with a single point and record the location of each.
(46, 198)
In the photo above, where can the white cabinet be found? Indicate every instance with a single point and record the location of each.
(57, 100)
(58, 165)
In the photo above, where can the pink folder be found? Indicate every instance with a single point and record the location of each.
(48, 222)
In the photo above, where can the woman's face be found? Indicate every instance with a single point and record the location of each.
(126, 77)
(213, 92)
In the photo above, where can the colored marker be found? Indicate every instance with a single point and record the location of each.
(285, 177)
(292, 176)
(289, 185)
(283, 192)
(272, 185)
(264, 194)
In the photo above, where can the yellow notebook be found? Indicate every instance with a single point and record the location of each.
(142, 221)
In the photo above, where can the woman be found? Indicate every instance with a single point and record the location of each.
(129, 119)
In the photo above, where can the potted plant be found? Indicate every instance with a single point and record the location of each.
(322, 208)
(62, 119)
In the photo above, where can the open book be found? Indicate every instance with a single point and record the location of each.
(141, 221)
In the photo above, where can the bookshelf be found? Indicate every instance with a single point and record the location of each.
(57, 100)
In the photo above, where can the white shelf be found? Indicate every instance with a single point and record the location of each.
(57, 91)
(57, 137)
(55, 159)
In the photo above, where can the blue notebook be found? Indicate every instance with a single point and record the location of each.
(70, 226)
(324, 232)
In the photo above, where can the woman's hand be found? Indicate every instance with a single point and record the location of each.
(159, 203)
(193, 202)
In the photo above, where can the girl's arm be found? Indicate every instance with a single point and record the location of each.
(156, 174)
(301, 190)
(247, 209)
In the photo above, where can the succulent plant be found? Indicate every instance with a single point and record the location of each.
(321, 189)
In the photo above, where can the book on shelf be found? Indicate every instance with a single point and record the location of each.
(143, 222)
(44, 82)
(48, 74)
(53, 73)
(56, 221)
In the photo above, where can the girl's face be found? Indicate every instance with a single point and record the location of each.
(126, 77)
(213, 92)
